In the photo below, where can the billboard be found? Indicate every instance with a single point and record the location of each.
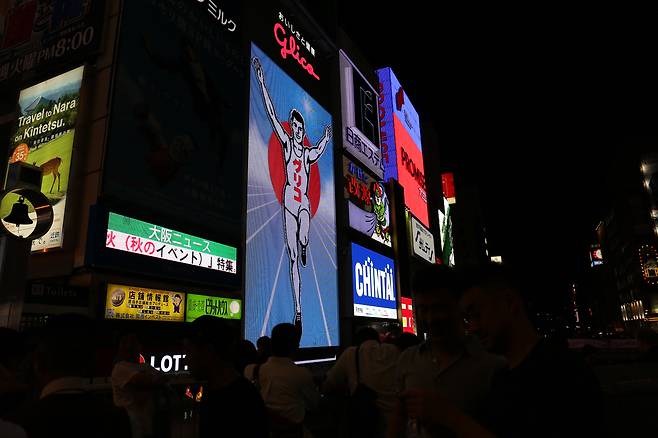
(200, 305)
(360, 123)
(373, 281)
(35, 35)
(149, 240)
(401, 146)
(175, 140)
(408, 321)
(291, 221)
(423, 241)
(46, 130)
(448, 186)
(445, 229)
(138, 303)
(368, 205)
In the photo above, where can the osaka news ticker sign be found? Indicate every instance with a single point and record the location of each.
(373, 281)
(149, 240)
(359, 113)
(401, 146)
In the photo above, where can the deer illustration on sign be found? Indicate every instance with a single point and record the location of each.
(52, 166)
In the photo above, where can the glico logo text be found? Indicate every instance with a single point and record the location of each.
(289, 46)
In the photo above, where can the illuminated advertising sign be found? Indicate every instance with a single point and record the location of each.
(496, 259)
(360, 121)
(445, 229)
(423, 241)
(291, 221)
(200, 305)
(401, 145)
(138, 303)
(46, 129)
(167, 363)
(367, 203)
(408, 321)
(177, 117)
(35, 35)
(595, 255)
(448, 185)
(373, 281)
(142, 238)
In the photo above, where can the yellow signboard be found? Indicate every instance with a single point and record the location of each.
(138, 303)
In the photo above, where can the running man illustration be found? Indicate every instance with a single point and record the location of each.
(296, 206)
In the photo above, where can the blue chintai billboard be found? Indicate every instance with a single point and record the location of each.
(373, 284)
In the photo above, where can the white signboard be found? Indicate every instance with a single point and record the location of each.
(423, 241)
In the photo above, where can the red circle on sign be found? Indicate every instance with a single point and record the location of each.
(278, 170)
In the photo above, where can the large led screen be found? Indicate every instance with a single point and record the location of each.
(373, 281)
(368, 206)
(46, 129)
(291, 238)
(175, 141)
(401, 146)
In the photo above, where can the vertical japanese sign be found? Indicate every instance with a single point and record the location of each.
(142, 238)
(373, 279)
(128, 302)
(448, 185)
(367, 203)
(177, 126)
(201, 305)
(401, 145)
(445, 229)
(423, 241)
(46, 129)
(36, 34)
(360, 120)
(291, 221)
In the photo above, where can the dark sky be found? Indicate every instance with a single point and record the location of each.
(537, 104)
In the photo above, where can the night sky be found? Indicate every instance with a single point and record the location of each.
(542, 107)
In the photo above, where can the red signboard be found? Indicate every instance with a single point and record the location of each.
(448, 183)
(408, 322)
(411, 172)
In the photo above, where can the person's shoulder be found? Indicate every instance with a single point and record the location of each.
(410, 354)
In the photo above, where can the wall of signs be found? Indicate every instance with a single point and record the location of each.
(368, 206)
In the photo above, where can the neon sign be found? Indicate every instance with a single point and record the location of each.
(289, 46)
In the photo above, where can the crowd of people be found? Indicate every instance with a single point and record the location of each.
(480, 370)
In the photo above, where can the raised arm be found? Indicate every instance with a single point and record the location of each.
(316, 152)
(269, 106)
